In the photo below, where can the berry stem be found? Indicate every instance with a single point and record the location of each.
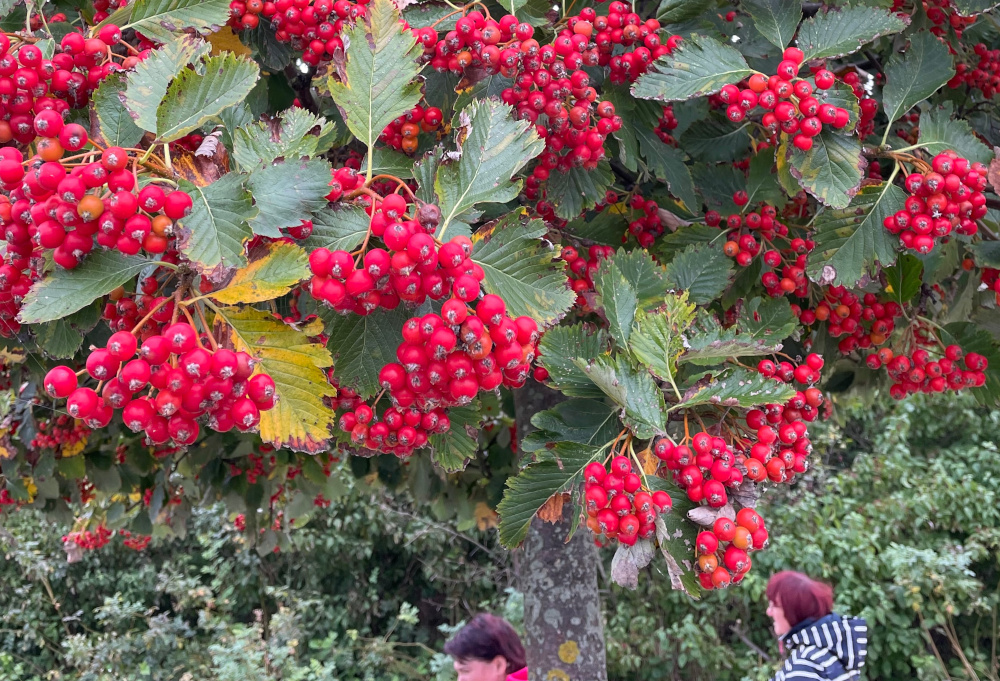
(149, 315)
(208, 329)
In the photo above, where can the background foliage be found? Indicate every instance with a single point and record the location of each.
(903, 517)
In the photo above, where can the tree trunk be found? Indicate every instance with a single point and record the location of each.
(562, 607)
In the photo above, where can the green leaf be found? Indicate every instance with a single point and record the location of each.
(362, 345)
(558, 349)
(212, 235)
(775, 19)
(839, 32)
(273, 275)
(968, 8)
(850, 241)
(716, 139)
(708, 341)
(648, 278)
(986, 253)
(676, 11)
(738, 388)
(299, 420)
(667, 163)
(916, 75)
(259, 144)
(60, 339)
(528, 491)
(904, 278)
(162, 20)
(832, 170)
(699, 66)
(427, 14)
(269, 52)
(194, 98)
(619, 299)
(338, 227)
(453, 449)
(641, 402)
(288, 193)
(767, 319)
(605, 227)
(147, 85)
(389, 162)
(676, 536)
(63, 292)
(377, 83)
(588, 422)
(762, 182)
(658, 339)
(520, 269)
(938, 133)
(115, 125)
(701, 270)
(578, 190)
(492, 148)
(668, 245)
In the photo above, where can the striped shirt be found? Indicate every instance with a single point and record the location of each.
(832, 648)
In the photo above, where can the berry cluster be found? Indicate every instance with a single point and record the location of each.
(62, 434)
(919, 372)
(644, 223)
(723, 551)
(412, 268)
(185, 382)
(444, 360)
(403, 133)
(947, 197)
(136, 542)
(868, 105)
(943, 15)
(983, 76)
(704, 470)
(581, 269)
(789, 102)
(89, 540)
(312, 27)
(860, 322)
(617, 505)
(34, 84)
(666, 126)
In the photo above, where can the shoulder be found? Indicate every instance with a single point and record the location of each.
(809, 663)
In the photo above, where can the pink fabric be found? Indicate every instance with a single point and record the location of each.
(521, 675)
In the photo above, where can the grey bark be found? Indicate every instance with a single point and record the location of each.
(562, 607)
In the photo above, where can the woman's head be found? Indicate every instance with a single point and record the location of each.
(486, 649)
(794, 597)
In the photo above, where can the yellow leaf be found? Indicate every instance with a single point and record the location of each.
(227, 41)
(300, 420)
(284, 266)
(74, 448)
(486, 517)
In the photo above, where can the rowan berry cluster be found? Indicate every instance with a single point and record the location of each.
(983, 75)
(944, 17)
(920, 372)
(704, 469)
(34, 84)
(867, 104)
(792, 104)
(136, 542)
(666, 126)
(403, 133)
(183, 381)
(947, 197)
(59, 433)
(445, 360)
(412, 267)
(89, 540)
(312, 27)
(723, 550)
(581, 269)
(861, 322)
(618, 508)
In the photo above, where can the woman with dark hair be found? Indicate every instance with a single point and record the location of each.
(487, 649)
(819, 644)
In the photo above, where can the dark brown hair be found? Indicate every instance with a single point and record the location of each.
(486, 637)
(800, 597)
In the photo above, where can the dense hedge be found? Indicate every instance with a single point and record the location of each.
(907, 527)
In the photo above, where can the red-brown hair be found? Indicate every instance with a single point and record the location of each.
(486, 637)
(800, 597)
